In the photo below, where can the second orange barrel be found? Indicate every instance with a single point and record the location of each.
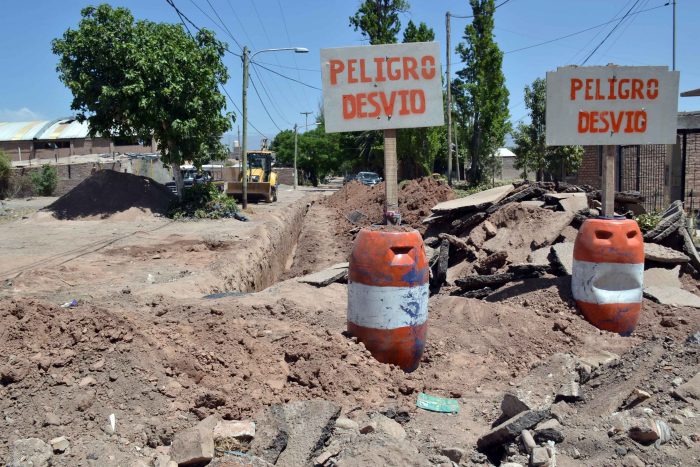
(388, 294)
(608, 273)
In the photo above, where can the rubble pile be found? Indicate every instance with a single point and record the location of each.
(484, 241)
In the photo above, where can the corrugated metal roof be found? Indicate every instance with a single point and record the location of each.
(64, 128)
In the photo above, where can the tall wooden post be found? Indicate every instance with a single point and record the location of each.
(608, 191)
(449, 101)
(391, 208)
(244, 142)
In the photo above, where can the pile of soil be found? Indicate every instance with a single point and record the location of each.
(416, 198)
(108, 192)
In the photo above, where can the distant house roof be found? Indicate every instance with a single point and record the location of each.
(691, 93)
(504, 152)
(62, 128)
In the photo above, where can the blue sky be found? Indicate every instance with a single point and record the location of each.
(31, 89)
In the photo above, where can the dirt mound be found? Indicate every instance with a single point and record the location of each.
(416, 197)
(108, 192)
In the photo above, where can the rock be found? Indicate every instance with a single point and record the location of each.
(599, 358)
(232, 460)
(369, 427)
(59, 445)
(563, 258)
(474, 202)
(569, 392)
(641, 429)
(663, 254)
(569, 234)
(528, 441)
(164, 460)
(442, 263)
(511, 428)
(660, 277)
(389, 427)
(343, 423)
(240, 430)
(674, 296)
(551, 430)
(491, 263)
(478, 293)
(537, 390)
(479, 282)
(490, 230)
(290, 434)
(87, 381)
(636, 397)
(51, 419)
(192, 446)
(689, 391)
(511, 464)
(84, 400)
(630, 460)
(454, 454)
(30, 452)
(539, 456)
(693, 338)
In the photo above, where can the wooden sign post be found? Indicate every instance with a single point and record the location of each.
(608, 191)
(383, 87)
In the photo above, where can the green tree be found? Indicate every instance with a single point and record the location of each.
(378, 20)
(45, 180)
(486, 96)
(419, 146)
(532, 153)
(5, 174)
(147, 80)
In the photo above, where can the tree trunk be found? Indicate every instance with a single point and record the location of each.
(475, 169)
(179, 183)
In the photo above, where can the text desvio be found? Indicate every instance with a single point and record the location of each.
(614, 121)
(374, 104)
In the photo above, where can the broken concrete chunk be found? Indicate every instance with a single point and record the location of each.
(389, 427)
(454, 454)
(551, 430)
(539, 457)
(637, 397)
(528, 441)
(479, 282)
(192, 446)
(540, 256)
(59, 445)
(325, 277)
(343, 423)
(569, 392)
(574, 203)
(599, 358)
(491, 263)
(674, 296)
(231, 429)
(489, 229)
(563, 257)
(31, 452)
(291, 434)
(663, 254)
(537, 390)
(661, 277)
(689, 391)
(511, 428)
(474, 202)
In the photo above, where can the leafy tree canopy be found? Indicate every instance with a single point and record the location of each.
(378, 20)
(146, 79)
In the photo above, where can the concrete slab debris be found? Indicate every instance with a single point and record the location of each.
(574, 203)
(511, 428)
(674, 296)
(564, 257)
(533, 203)
(663, 254)
(661, 277)
(325, 277)
(540, 256)
(690, 391)
(192, 446)
(476, 201)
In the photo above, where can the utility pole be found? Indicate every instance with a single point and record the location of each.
(295, 156)
(306, 119)
(449, 102)
(674, 35)
(244, 142)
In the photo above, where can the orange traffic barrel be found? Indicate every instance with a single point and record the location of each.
(608, 273)
(388, 294)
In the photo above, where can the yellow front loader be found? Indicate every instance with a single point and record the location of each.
(262, 180)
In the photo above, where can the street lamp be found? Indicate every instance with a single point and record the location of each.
(295, 146)
(247, 57)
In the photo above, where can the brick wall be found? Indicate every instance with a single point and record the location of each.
(70, 175)
(692, 172)
(285, 175)
(589, 172)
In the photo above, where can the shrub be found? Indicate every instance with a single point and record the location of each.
(648, 221)
(45, 180)
(5, 175)
(203, 201)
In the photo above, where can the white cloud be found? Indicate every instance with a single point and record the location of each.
(20, 115)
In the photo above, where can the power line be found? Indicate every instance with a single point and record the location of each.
(581, 31)
(289, 44)
(228, 31)
(286, 77)
(608, 35)
(263, 104)
(625, 28)
(272, 102)
(184, 20)
(595, 36)
(239, 111)
(471, 16)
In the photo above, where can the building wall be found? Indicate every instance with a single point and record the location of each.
(508, 170)
(76, 147)
(70, 175)
(590, 171)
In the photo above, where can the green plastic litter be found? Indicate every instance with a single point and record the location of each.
(437, 404)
